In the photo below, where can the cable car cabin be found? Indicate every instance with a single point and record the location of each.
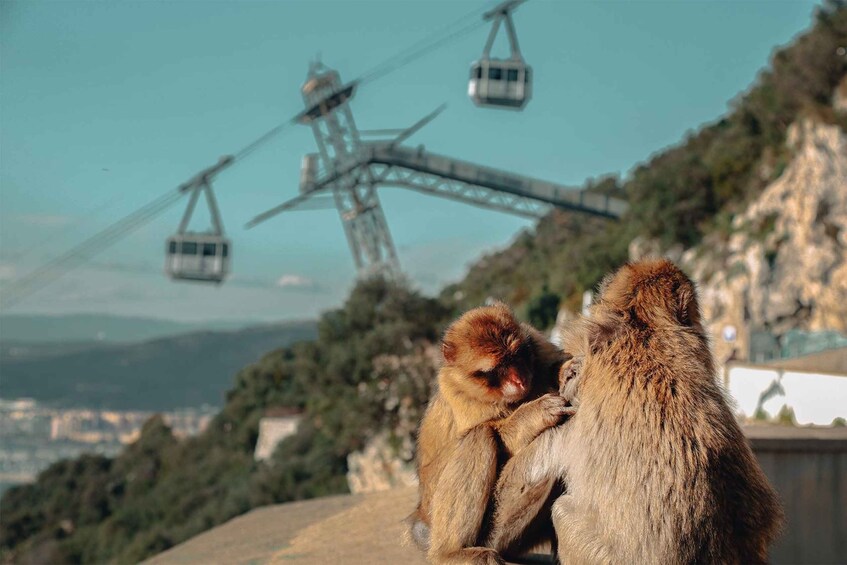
(198, 257)
(500, 83)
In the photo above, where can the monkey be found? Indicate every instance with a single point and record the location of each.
(496, 393)
(516, 517)
(657, 469)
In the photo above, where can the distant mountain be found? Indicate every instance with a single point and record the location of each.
(184, 370)
(100, 327)
(31, 350)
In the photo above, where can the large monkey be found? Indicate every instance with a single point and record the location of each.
(490, 403)
(657, 469)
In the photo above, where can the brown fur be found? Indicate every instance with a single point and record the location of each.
(657, 468)
(520, 518)
(490, 403)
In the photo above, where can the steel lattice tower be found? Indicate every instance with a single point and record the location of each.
(339, 146)
(351, 170)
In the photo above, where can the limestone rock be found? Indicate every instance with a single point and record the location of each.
(378, 467)
(403, 384)
(784, 266)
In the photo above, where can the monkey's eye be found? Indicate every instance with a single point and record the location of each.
(483, 374)
(525, 352)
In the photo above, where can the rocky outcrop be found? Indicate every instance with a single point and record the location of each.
(783, 265)
(378, 467)
(403, 384)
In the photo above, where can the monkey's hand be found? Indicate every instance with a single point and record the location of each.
(569, 376)
(530, 419)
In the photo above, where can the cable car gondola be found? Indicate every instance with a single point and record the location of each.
(199, 256)
(501, 83)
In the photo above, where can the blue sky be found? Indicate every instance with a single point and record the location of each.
(106, 105)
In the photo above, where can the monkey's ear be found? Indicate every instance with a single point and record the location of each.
(448, 351)
(604, 285)
(599, 336)
(688, 312)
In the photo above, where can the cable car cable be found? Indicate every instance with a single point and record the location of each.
(411, 57)
(107, 237)
(55, 268)
(248, 149)
(423, 47)
(93, 209)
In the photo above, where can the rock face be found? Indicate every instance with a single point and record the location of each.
(839, 97)
(403, 383)
(378, 467)
(783, 266)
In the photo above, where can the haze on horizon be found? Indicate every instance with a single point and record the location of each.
(108, 105)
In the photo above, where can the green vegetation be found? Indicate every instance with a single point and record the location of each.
(683, 192)
(368, 363)
(160, 491)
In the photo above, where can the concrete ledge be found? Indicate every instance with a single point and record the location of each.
(786, 438)
(805, 465)
(352, 529)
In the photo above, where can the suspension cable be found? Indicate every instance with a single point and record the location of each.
(102, 240)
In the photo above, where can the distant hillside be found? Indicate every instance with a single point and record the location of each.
(32, 350)
(184, 370)
(101, 327)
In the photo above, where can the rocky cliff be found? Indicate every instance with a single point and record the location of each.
(404, 385)
(783, 263)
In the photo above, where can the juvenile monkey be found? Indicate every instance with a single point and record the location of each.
(657, 469)
(490, 403)
(521, 515)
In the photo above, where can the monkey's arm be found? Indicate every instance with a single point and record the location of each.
(460, 500)
(530, 419)
(525, 484)
(569, 379)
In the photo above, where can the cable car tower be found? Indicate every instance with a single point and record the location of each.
(349, 170)
(339, 147)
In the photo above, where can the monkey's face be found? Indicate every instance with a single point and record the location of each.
(490, 352)
(504, 376)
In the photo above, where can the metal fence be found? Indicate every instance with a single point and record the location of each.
(808, 467)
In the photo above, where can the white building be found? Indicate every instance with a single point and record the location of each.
(814, 387)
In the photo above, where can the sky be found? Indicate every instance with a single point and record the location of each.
(105, 106)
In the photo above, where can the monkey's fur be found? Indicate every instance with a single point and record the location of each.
(519, 520)
(657, 469)
(490, 403)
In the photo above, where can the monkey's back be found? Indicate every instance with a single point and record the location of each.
(664, 457)
(436, 438)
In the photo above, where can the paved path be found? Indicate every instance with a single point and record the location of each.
(353, 529)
